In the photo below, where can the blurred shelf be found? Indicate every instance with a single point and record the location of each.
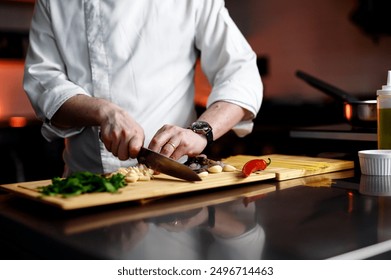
(18, 1)
(335, 132)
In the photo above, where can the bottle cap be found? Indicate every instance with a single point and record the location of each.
(386, 89)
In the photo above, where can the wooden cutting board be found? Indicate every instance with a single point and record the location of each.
(282, 167)
(289, 167)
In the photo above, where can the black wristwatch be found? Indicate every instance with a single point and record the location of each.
(201, 127)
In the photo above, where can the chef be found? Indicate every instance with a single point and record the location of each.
(234, 235)
(111, 76)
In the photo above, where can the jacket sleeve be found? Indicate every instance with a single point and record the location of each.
(45, 80)
(228, 61)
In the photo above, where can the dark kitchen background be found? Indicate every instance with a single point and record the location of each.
(346, 43)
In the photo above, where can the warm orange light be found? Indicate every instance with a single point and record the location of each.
(348, 111)
(202, 87)
(351, 202)
(17, 121)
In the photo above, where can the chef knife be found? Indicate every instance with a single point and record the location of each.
(166, 165)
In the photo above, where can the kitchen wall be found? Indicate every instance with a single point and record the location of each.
(14, 20)
(316, 36)
(15, 15)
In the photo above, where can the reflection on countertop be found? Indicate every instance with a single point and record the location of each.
(315, 217)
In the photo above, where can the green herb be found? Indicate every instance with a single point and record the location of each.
(83, 182)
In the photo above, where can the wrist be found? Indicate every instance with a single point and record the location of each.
(203, 128)
(106, 111)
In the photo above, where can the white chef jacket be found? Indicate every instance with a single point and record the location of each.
(160, 244)
(139, 54)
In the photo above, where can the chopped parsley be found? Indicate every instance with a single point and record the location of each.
(83, 182)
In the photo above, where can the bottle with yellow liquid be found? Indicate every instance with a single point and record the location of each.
(384, 115)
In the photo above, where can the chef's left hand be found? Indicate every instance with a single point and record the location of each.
(175, 142)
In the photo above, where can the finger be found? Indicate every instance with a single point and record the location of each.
(134, 146)
(123, 149)
(169, 148)
(162, 136)
(105, 140)
(114, 148)
(177, 154)
(113, 151)
(158, 143)
(172, 145)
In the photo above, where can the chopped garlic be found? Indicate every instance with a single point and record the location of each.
(203, 174)
(215, 169)
(135, 173)
(229, 168)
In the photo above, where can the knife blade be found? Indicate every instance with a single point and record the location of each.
(166, 165)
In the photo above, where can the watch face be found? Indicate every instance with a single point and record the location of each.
(201, 126)
(204, 128)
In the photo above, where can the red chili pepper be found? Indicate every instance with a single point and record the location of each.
(255, 165)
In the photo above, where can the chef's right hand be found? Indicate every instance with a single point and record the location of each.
(121, 134)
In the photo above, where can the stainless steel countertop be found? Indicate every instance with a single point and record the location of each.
(317, 217)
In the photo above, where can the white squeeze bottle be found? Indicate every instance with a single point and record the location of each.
(384, 115)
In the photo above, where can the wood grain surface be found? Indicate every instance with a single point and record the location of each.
(282, 167)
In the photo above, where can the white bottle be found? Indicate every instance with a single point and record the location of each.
(384, 115)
